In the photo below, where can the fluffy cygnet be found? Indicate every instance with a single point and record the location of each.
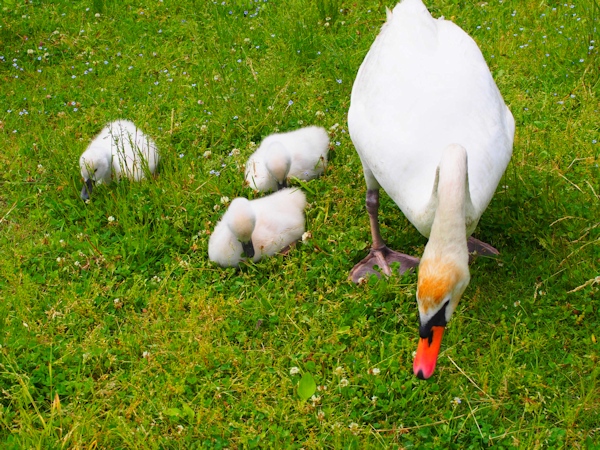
(258, 228)
(120, 150)
(298, 154)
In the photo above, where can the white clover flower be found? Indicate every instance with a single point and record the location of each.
(339, 371)
(111, 219)
(344, 382)
(216, 207)
(294, 370)
(207, 153)
(224, 200)
(306, 236)
(374, 399)
(354, 427)
(334, 126)
(146, 355)
(374, 371)
(321, 415)
(456, 401)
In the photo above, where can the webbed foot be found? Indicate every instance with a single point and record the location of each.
(382, 257)
(479, 248)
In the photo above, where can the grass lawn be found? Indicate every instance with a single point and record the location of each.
(117, 332)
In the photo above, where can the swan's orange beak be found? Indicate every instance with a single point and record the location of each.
(427, 353)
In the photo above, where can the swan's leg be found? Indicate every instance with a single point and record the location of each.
(372, 203)
(380, 255)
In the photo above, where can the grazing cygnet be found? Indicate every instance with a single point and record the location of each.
(258, 228)
(298, 154)
(121, 149)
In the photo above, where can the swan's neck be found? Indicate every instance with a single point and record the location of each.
(449, 228)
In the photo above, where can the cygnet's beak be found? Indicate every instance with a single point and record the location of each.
(86, 190)
(427, 353)
(282, 185)
(248, 248)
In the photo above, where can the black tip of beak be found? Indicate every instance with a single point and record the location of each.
(282, 185)
(420, 375)
(248, 248)
(86, 190)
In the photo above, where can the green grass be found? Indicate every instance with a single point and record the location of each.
(117, 332)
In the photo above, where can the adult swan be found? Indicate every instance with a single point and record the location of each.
(432, 130)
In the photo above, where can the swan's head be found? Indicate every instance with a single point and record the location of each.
(96, 167)
(278, 163)
(241, 219)
(440, 285)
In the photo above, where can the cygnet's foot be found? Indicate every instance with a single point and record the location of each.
(479, 248)
(382, 257)
(285, 250)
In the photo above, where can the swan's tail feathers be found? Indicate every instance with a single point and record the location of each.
(409, 7)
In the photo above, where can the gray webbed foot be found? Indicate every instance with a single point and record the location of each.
(479, 248)
(382, 257)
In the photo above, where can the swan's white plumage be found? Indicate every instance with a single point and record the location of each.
(431, 129)
(298, 154)
(423, 86)
(120, 150)
(273, 222)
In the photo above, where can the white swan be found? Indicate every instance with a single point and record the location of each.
(432, 130)
(121, 149)
(300, 153)
(258, 228)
